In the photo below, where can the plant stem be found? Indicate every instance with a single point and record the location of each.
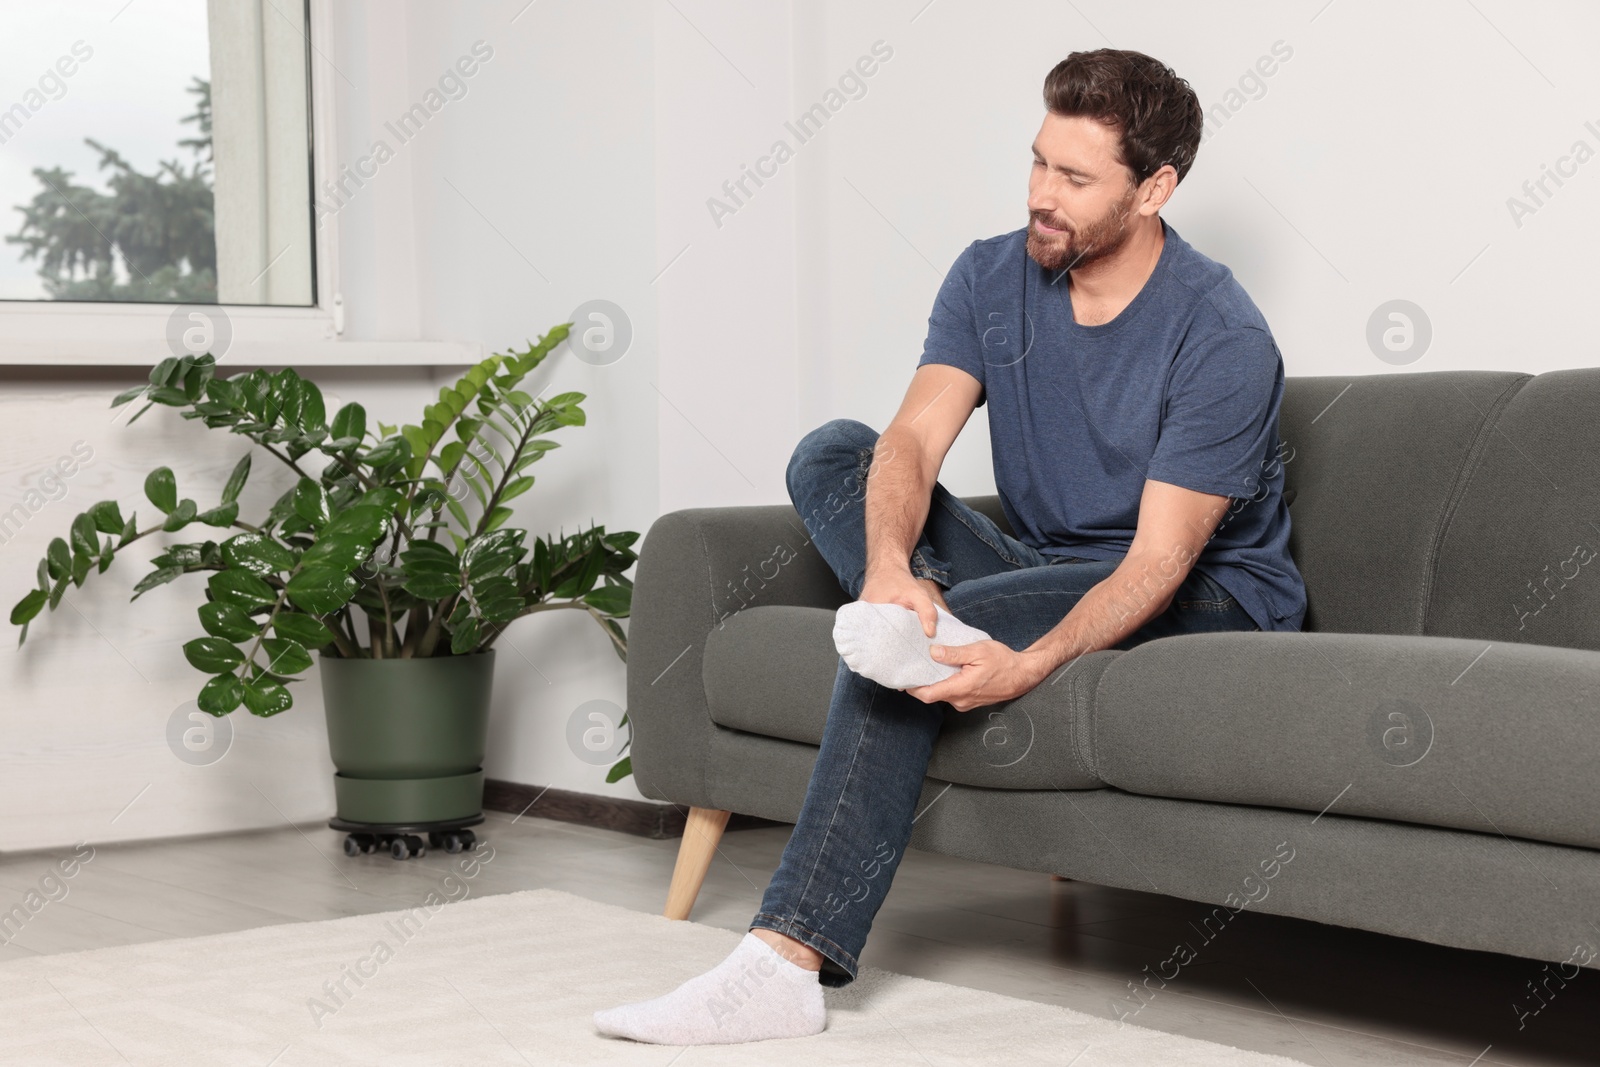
(285, 459)
(415, 624)
(339, 640)
(388, 620)
(435, 626)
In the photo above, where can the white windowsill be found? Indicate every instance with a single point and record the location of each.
(302, 355)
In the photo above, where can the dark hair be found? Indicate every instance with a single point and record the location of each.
(1156, 112)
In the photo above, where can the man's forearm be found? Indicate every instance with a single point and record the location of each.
(1139, 589)
(899, 490)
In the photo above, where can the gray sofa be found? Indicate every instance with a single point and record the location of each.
(1428, 747)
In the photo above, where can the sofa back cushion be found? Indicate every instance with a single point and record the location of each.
(1519, 556)
(1374, 462)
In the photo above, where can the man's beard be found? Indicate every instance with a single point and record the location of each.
(1078, 248)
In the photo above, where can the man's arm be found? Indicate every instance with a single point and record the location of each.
(1174, 525)
(900, 483)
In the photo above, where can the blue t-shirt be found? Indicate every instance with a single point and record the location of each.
(1183, 386)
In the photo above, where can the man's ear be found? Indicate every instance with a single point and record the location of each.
(1158, 189)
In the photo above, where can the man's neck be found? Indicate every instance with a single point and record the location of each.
(1102, 289)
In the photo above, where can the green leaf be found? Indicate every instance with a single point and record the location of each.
(258, 553)
(123, 397)
(449, 455)
(285, 656)
(129, 531)
(390, 450)
(168, 395)
(58, 557)
(321, 590)
(611, 599)
(465, 637)
(363, 522)
(165, 372)
(212, 654)
(309, 632)
(107, 517)
(350, 422)
(29, 606)
(516, 488)
(497, 518)
(337, 551)
(162, 489)
(220, 695)
(241, 588)
(458, 512)
(313, 413)
(311, 503)
(159, 576)
(432, 586)
(83, 536)
(417, 438)
(226, 620)
(221, 515)
(185, 513)
(384, 496)
(265, 697)
(236, 480)
(620, 769)
(225, 393)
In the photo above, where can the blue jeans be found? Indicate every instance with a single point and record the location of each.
(858, 810)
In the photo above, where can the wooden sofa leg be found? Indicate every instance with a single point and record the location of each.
(700, 837)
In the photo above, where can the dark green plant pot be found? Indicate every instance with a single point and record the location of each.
(408, 736)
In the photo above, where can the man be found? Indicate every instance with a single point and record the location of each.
(1133, 392)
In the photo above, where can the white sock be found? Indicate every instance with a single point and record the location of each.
(753, 995)
(885, 642)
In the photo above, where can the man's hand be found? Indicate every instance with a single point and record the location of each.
(991, 673)
(907, 590)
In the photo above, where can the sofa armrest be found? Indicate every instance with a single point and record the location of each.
(696, 567)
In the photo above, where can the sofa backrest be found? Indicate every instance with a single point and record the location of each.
(1375, 463)
(1519, 554)
(1448, 503)
(1445, 503)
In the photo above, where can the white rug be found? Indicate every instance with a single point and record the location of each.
(505, 979)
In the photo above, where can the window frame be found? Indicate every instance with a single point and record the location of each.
(96, 333)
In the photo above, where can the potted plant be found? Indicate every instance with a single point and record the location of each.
(407, 524)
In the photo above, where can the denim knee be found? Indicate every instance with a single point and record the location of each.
(842, 437)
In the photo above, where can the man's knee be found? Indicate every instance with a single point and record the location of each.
(836, 444)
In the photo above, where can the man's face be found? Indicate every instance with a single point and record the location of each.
(1080, 198)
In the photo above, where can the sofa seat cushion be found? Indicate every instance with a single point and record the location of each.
(770, 670)
(1496, 737)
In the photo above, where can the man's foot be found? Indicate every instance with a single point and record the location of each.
(885, 642)
(756, 994)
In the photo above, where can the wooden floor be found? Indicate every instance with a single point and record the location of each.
(1314, 993)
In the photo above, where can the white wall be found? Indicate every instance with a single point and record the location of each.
(1375, 163)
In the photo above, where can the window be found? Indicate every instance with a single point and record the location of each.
(155, 152)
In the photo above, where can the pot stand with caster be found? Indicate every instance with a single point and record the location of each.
(400, 840)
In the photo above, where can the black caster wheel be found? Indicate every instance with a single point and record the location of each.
(352, 847)
(468, 839)
(407, 845)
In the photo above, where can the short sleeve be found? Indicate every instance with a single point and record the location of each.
(953, 337)
(1220, 413)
